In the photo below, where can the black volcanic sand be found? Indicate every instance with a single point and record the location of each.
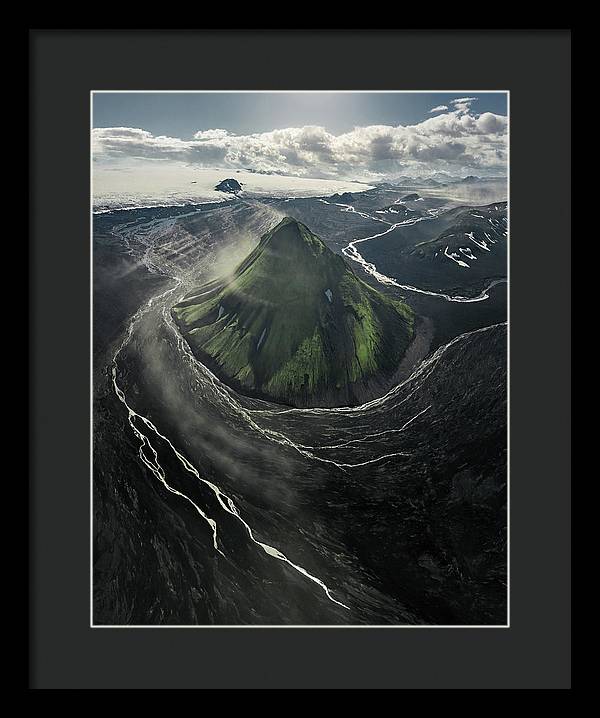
(418, 536)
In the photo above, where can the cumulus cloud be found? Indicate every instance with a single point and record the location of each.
(456, 141)
(438, 108)
(463, 104)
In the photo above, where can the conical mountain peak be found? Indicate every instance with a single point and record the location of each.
(290, 230)
(291, 223)
(295, 324)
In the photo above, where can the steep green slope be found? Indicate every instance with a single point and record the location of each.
(296, 325)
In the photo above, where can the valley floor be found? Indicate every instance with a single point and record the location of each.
(214, 508)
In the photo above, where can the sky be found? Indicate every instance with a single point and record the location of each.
(360, 136)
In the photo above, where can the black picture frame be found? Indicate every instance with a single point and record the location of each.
(535, 651)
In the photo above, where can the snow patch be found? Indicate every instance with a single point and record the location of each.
(467, 252)
(145, 183)
(481, 244)
(455, 258)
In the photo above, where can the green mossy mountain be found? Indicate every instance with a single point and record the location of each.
(294, 324)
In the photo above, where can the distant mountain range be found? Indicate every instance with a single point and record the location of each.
(438, 179)
(295, 324)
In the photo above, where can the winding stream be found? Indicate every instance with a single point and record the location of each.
(353, 254)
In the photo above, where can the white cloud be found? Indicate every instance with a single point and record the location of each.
(210, 134)
(463, 104)
(439, 108)
(457, 141)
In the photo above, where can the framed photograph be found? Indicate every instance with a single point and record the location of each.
(299, 387)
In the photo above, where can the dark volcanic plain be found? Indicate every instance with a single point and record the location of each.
(213, 507)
